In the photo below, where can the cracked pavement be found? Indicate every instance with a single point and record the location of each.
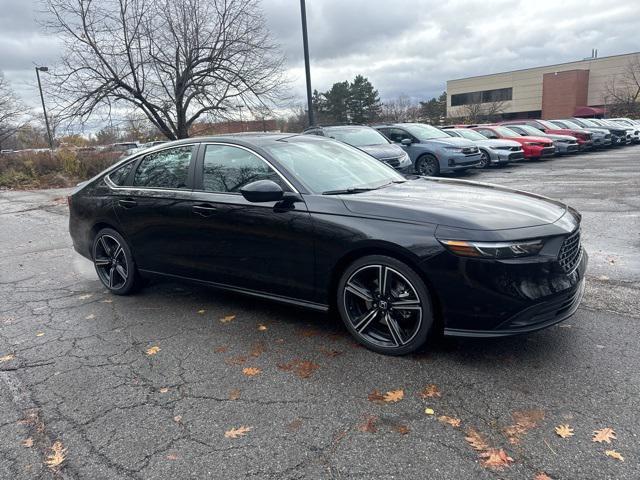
(74, 367)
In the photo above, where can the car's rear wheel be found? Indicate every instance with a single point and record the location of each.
(427, 165)
(385, 305)
(114, 262)
(485, 161)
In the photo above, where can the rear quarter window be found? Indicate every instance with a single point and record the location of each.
(119, 175)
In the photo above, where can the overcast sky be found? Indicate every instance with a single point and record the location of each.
(404, 46)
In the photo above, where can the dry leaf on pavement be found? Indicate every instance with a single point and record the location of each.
(614, 454)
(153, 350)
(237, 432)
(604, 435)
(430, 391)
(85, 296)
(40, 334)
(234, 394)
(57, 456)
(91, 316)
(376, 396)
(262, 327)
(7, 358)
(402, 429)
(564, 431)
(542, 476)
(496, 458)
(251, 371)
(27, 442)
(369, 424)
(394, 396)
(164, 389)
(201, 311)
(227, 319)
(429, 411)
(476, 440)
(177, 418)
(454, 422)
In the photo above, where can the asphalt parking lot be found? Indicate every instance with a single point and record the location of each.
(147, 386)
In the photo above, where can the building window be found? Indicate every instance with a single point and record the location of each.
(486, 96)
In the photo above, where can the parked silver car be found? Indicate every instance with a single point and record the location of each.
(600, 136)
(494, 152)
(564, 143)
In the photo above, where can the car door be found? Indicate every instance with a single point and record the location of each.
(153, 207)
(397, 135)
(266, 247)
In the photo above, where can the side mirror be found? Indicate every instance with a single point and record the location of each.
(406, 142)
(262, 191)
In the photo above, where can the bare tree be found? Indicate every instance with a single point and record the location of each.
(11, 111)
(479, 112)
(174, 60)
(401, 109)
(622, 92)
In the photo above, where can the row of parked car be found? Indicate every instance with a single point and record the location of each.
(427, 150)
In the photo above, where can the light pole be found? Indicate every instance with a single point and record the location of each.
(305, 45)
(44, 109)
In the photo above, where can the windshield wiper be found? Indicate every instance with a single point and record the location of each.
(348, 191)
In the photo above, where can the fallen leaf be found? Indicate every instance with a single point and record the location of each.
(429, 411)
(294, 425)
(91, 316)
(107, 300)
(454, 422)
(430, 391)
(614, 454)
(476, 440)
(201, 312)
(262, 327)
(525, 420)
(220, 349)
(234, 394)
(564, 431)
(237, 432)
(153, 350)
(496, 458)
(542, 476)
(251, 371)
(402, 429)
(604, 435)
(172, 456)
(256, 350)
(227, 319)
(7, 358)
(369, 424)
(27, 442)
(177, 418)
(85, 296)
(57, 456)
(164, 389)
(302, 368)
(376, 396)
(394, 396)
(40, 334)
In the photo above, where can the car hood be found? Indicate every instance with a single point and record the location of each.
(450, 141)
(457, 203)
(491, 142)
(555, 136)
(528, 138)
(383, 151)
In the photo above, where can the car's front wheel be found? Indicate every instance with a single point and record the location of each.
(114, 262)
(485, 161)
(427, 165)
(385, 305)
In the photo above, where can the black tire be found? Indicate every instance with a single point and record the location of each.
(395, 323)
(485, 159)
(114, 262)
(427, 165)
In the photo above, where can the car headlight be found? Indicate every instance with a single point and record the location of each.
(404, 158)
(494, 249)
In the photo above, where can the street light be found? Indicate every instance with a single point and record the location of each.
(44, 109)
(305, 44)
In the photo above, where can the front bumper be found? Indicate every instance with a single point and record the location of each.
(457, 162)
(499, 156)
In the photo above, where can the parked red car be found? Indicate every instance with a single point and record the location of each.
(533, 147)
(584, 138)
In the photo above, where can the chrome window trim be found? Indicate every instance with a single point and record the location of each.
(204, 144)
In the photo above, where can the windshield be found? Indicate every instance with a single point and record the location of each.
(505, 132)
(425, 132)
(589, 123)
(358, 137)
(571, 124)
(324, 165)
(470, 134)
(546, 124)
(530, 130)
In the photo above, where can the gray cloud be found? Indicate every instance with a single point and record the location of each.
(404, 46)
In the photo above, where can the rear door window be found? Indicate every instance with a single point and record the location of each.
(165, 169)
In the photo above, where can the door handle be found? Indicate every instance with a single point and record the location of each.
(127, 202)
(205, 210)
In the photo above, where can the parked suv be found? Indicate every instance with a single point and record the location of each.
(493, 152)
(563, 143)
(618, 134)
(600, 136)
(534, 147)
(432, 151)
(583, 137)
(370, 141)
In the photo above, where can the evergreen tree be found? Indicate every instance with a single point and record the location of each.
(432, 111)
(364, 102)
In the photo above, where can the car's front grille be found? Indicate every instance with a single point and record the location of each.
(570, 252)
(516, 156)
(470, 150)
(548, 151)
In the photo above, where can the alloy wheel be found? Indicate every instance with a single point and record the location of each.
(484, 159)
(428, 166)
(382, 306)
(111, 262)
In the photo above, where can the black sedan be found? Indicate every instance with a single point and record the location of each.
(314, 222)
